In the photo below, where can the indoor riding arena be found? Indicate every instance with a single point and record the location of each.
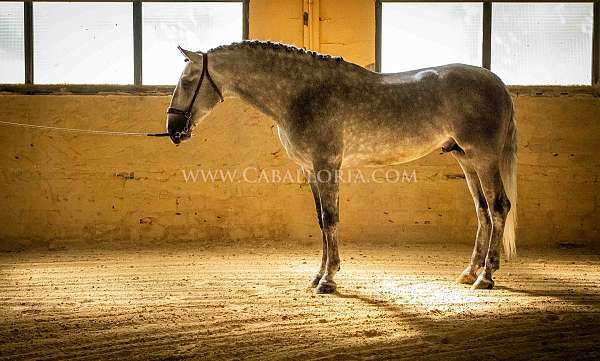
(299, 180)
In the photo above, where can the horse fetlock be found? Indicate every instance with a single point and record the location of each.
(492, 263)
(477, 258)
(326, 287)
(483, 282)
(315, 281)
(333, 266)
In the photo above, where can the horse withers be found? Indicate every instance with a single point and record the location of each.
(333, 114)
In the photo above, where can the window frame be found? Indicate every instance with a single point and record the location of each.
(30, 87)
(487, 36)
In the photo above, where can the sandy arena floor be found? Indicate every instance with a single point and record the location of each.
(240, 303)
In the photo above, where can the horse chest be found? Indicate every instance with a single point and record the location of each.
(295, 152)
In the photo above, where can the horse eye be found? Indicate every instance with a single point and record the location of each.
(186, 60)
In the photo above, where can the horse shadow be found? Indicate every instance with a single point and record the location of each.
(567, 327)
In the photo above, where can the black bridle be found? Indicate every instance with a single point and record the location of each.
(188, 112)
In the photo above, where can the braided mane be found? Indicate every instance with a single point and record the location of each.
(277, 47)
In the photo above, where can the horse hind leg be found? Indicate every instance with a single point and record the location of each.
(484, 227)
(499, 206)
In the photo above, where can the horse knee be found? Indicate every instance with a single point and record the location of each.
(330, 230)
(483, 216)
(330, 219)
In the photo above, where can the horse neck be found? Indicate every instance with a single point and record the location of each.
(266, 79)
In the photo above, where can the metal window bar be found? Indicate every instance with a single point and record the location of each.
(486, 51)
(28, 41)
(378, 32)
(137, 42)
(596, 45)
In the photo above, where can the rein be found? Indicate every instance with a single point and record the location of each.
(188, 112)
(88, 131)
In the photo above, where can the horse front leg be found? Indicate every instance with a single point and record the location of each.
(327, 184)
(315, 192)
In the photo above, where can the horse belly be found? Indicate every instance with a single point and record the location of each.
(389, 151)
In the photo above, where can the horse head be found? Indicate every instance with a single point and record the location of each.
(191, 101)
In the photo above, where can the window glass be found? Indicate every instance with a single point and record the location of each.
(83, 43)
(418, 35)
(12, 55)
(193, 26)
(542, 43)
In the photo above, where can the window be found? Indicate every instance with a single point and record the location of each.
(12, 55)
(418, 35)
(542, 43)
(83, 43)
(194, 26)
(111, 42)
(532, 43)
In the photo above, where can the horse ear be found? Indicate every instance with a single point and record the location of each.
(190, 55)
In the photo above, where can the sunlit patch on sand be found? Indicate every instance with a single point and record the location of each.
(432, 295)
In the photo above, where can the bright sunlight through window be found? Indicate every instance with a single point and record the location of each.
(542, 43)
(418, 35)
(194, 26)
(83, 43)
(12, 56)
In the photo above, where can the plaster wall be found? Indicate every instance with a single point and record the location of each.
(64, 187)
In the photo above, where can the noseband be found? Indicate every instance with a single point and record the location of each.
(188, 112)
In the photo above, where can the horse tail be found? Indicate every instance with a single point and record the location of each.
(508, 168)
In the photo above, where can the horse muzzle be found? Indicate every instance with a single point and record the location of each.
(178, 137)
(178, 128)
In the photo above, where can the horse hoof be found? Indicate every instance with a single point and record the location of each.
(483, 283)
(467, 278)
(326, 287)
(315, 281)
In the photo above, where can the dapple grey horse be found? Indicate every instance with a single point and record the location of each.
(332, 114)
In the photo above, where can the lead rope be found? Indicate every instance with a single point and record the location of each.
(89, 131)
